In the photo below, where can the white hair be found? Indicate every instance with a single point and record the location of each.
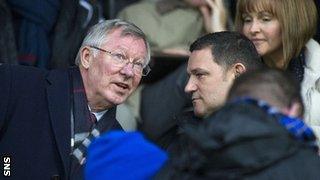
(99, 33)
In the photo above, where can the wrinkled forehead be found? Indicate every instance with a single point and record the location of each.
(250, 6)
(120, 32)
(127, 41)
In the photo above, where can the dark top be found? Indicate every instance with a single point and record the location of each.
(35, 122)
(241, 141)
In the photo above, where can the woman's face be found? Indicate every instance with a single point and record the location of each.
(264, 30)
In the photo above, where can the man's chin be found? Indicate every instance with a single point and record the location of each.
(199, 113)
(117, 97)
(119, 101)
(202, 113)
(116, 100)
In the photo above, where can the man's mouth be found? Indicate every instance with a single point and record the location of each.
(122, 85)
(194, 99)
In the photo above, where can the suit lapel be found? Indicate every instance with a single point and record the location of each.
(108, 121)
(58, 94)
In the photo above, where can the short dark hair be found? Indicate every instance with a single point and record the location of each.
(271, 85)
(228, 48)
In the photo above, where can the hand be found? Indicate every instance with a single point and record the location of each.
(214, 15)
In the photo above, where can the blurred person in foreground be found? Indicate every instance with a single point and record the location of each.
(257, 135)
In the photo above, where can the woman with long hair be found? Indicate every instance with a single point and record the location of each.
(282, 32)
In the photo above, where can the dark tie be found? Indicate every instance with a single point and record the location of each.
(93, 118)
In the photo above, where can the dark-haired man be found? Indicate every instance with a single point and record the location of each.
(216, 60)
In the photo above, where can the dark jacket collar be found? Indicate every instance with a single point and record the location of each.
(244, 140)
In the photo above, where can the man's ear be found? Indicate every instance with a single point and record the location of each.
(238, 69)
(85, 57)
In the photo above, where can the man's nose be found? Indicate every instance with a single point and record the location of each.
(128, 70)
(190, 87)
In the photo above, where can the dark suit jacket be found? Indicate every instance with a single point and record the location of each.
(35, 122)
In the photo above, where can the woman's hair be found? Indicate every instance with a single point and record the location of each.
(297, 18)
